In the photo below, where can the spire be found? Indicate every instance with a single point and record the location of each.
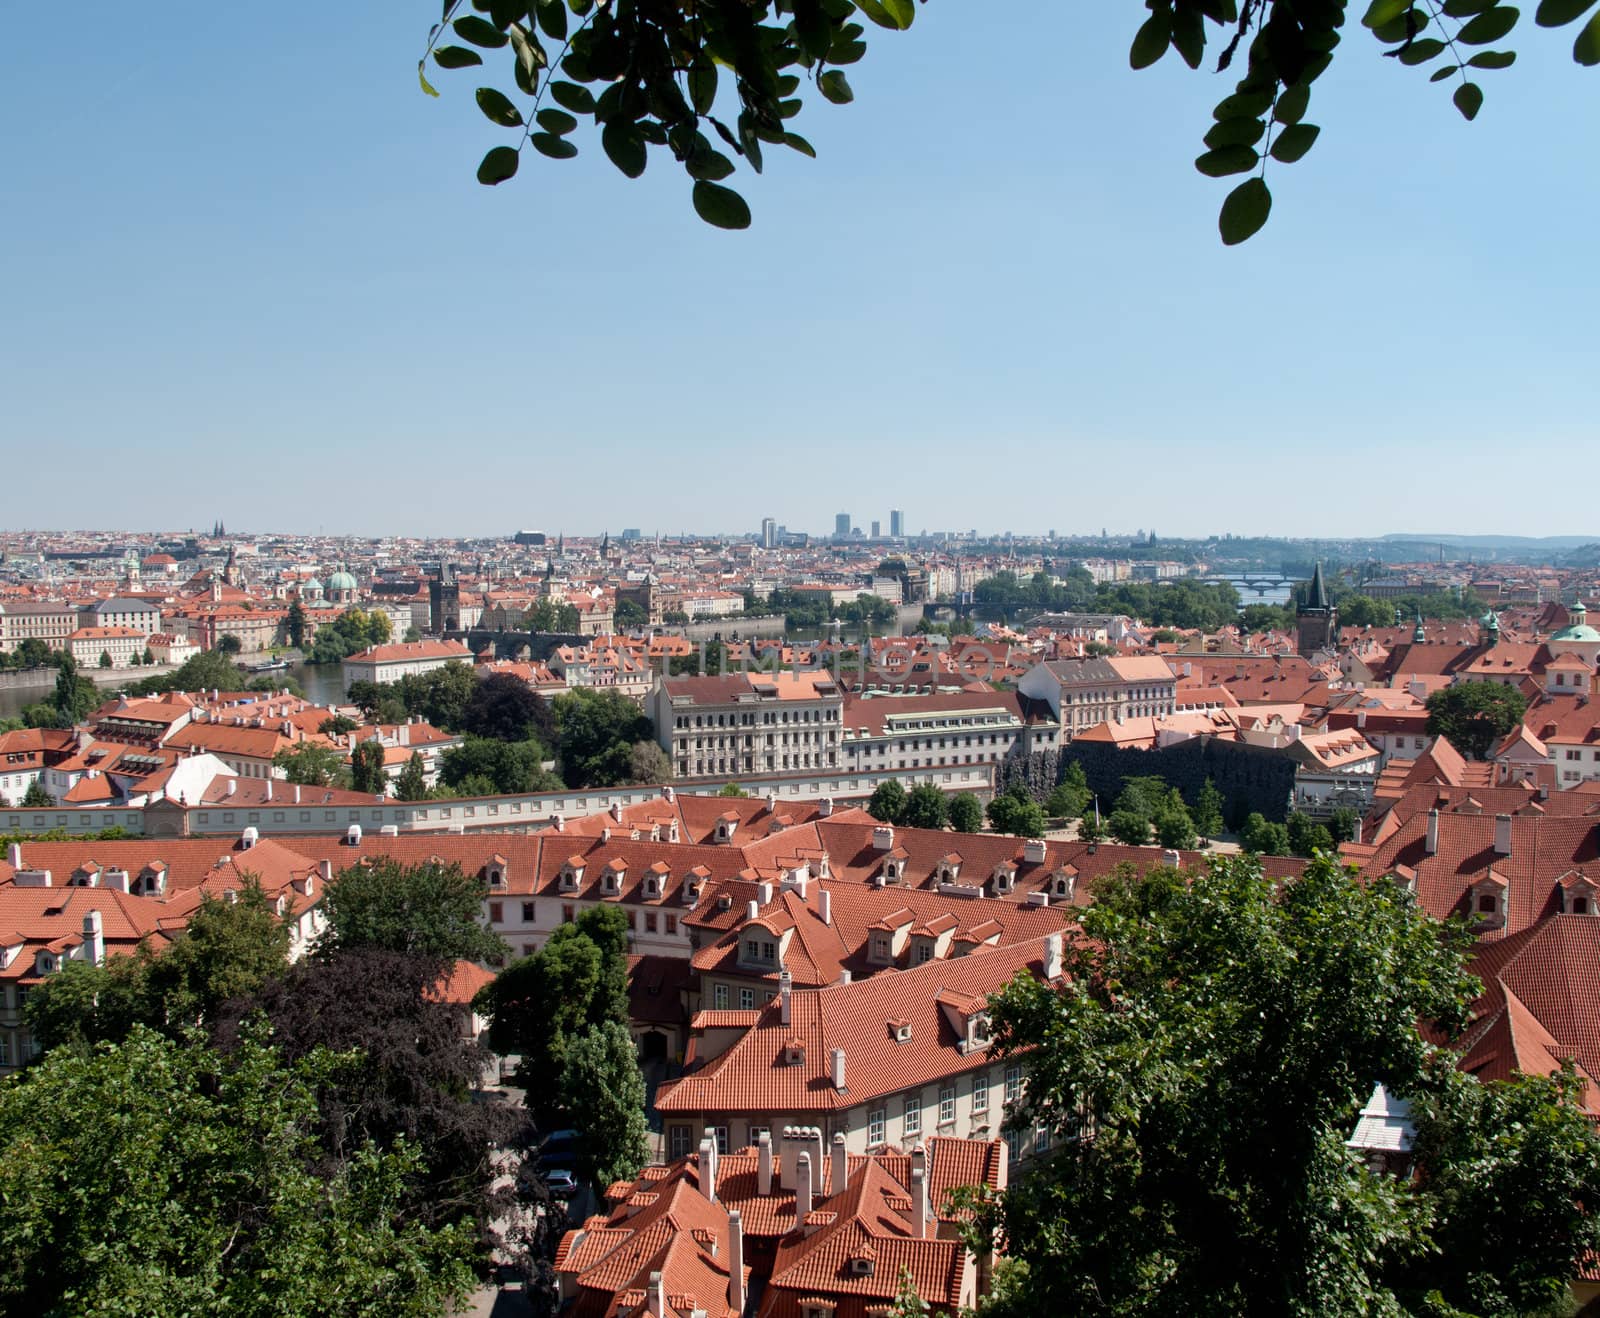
(1318, 598)
(1418, 635)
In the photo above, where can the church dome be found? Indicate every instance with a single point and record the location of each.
(1577, 628)
(341, 581)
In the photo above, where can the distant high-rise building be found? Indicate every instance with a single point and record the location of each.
(841, 526)
(875, 531)
(897, 523)
(769, 533)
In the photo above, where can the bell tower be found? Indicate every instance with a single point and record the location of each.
(1316, 620)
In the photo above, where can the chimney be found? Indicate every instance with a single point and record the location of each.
(1502, 835)
(94, 945)
(764, 1163)
(269, 790)
(826, 902)
(825, 807)
(753, 910)
(1430, 841)
(658, 1296)
(707, 1168)
(838, 1069)
(919, 1203)
(1361, 718)
(735, 1262)
(14, 855)
(841, 1164)
(785, 992)
(802, 1192)
(249, 837)
(772, 803)
(883, 837)
(325, 869)
(1052, 956)
(1357, 838)
(616, 811)
(766, 893)
(233, 786)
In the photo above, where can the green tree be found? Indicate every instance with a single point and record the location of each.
(603, 1090)
(295, 623)
(1208, 820)
(907, 1303)
(597, 731)
(1017, 813)
(200, 1169)
(1343, 824)
(503, 767)
(1224, 1032)
(412, 785)
(1306, 836)
(553, 616)
(1149, 797)
(1175, 829)
(367, 773)
(966, 813)
(229, 644)
(1265, 618)
(1473, 716)
(1129, 827)
(1263, 838)
(428, 910)
(311, 764)
(75, 696)
(105, 659)
(630, 615)
(83, 1004)
(1363, 611)
(36, 797)
(888, 802)
(337, 725)
(1091, 828)
(647, 764)
(504, 707)
(1071, 795)
(733, 791)
(925, 807)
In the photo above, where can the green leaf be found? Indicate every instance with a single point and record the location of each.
(1226, 160)
(558, 122)
(1293, 142)
(836, 87)
(580, 100)
(877, 13)
(1420, 52)
(703, 84)
(798, 143)
(423, 79)
(1380, 12)
(497, 109)
(720, 206)
(1469, 100)
(480, 32)
(1151, 40)
(1395, 30)
(499, 165)
(1493, 59)
(1291, 106)
(530, 55)
(1488, 26)
(1244, 211)
(811, 25)
(902, 11)
(1558, 13)
(1586, 49)
(704, 162)
(1242, 105)
(624, 146)
(557, 148)
(552, 18)
(1189, 35)
(1235, 132)
(1466, 8)
(456, 57)
(1439, 75)
(846, 52)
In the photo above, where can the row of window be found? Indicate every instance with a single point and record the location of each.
(654, 921)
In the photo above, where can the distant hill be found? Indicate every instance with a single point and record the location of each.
(1516, 544)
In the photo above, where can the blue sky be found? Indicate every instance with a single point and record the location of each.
(247, 273)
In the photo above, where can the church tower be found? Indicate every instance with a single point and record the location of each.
(1316, 621)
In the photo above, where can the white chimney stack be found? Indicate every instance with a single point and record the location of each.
(1052, 956)
(825, 903)
(919, 1203)
(802, 1192)
(838, 1069)
(764, 1163)
(841, 1164)
(1430, 841)
(735, 1262)
(785, 993)
(765, 889)
(14, 855)
(753, 910)
(94, 945)
(325, 869)
(658, 1296)
(1502, 835)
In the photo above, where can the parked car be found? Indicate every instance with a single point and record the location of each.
(561, 1182)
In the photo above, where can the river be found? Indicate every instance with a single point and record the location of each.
(322, 683)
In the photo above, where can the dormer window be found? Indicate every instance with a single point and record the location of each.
(794, 1053)
(1004, 878)
(978, 1028)
(882, 948)
(497, 878)
(900, 1031)
(1488, 903)
(892, 870)
(571, 877)
(1580, 906)
(652, 887)
(862, 1267)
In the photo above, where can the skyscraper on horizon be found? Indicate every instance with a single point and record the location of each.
(897, 523)
(841, 526)
(769, 533)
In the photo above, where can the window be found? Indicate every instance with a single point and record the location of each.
(747, 999)
(875, 1121)
(980, 1092)
(649, 922)
(527, 912)
(496, 912)
(1041, 1139)
(567, 915)
(672, 924)
(1013, 1083)
(682, 1140)
(947, 1104)
(1487, 904)
(756, 1132)
(924, 951)
(913, 1115)
(719, 996)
